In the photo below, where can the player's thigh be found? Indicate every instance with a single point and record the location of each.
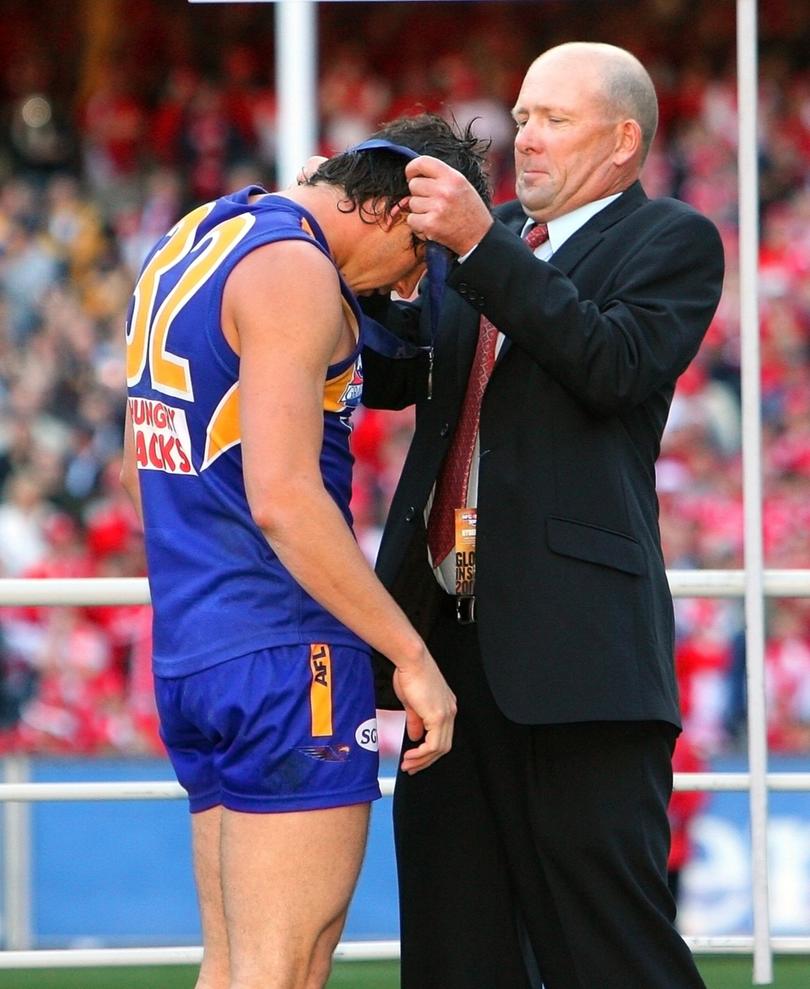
(287, 877)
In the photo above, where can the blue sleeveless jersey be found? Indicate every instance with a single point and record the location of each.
(218, 590)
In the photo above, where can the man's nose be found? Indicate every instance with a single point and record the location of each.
(527, 138)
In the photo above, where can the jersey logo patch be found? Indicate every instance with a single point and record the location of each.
(326, 753)
(162, 440)
(353, 392)
(366, 735)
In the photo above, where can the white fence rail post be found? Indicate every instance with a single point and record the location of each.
(17, 859)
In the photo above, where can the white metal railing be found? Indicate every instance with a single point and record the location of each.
(135, 590)
(346, 951)
(17, 792)
(167, 790)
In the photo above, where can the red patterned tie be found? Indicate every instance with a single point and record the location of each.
(454, 476)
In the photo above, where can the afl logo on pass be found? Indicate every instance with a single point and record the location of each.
(366, 735)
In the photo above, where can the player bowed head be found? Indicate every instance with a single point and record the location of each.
(372, 177)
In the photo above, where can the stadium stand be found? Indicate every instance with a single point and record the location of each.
(141, 116)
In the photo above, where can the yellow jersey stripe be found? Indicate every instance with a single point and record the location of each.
(320, 690)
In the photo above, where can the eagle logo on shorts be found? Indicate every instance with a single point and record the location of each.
(326, 753)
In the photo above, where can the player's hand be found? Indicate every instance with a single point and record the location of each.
(430, 711)
(443, 206)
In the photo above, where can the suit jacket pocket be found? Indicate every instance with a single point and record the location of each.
(594, 544)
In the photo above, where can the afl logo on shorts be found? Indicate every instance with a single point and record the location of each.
(366, 735)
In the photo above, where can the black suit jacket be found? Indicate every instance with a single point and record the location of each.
(575, 617)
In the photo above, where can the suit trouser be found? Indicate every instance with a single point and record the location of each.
(555, 832)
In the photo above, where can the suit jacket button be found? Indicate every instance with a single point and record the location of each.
(463, 290)
(410, 515)
(444, 432)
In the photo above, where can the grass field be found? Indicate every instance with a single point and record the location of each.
(719, 972)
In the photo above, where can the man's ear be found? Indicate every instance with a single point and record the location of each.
(628, 141)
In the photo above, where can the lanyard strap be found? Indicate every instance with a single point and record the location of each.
(437, 256)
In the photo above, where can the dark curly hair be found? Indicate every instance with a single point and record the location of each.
(375, 178)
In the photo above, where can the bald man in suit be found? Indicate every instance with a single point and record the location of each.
(538, 848)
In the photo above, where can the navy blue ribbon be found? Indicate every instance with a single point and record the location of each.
(437, 257)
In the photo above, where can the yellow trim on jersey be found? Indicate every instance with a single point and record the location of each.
(179, 241)
(223, 430)
(335, 388)
(170, 374)
(320, 689)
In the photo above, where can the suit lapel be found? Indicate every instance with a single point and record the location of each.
(588, 236)
(580, 244)
(512, 216)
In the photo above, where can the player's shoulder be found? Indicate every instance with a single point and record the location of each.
(287, 267)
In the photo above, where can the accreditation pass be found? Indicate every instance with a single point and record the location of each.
(466, 519)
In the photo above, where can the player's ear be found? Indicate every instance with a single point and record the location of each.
(397, 214)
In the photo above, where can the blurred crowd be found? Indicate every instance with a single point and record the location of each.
(142, 116)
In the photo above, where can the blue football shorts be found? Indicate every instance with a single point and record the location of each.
(284, 729)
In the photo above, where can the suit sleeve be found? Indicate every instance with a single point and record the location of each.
(658, 298)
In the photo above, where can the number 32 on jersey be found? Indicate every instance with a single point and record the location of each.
(162, 439)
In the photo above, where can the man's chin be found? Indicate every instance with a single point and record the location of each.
(531, 195)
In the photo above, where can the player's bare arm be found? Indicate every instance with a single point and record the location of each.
(282, 312)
